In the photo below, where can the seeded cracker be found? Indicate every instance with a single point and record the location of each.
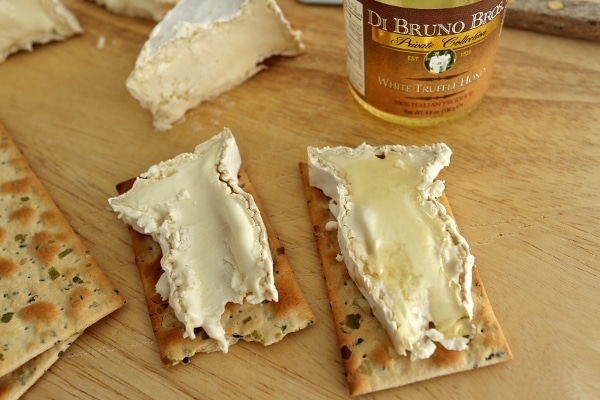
(13, 385)
(266, 323)
(51, 289)
(368, 356)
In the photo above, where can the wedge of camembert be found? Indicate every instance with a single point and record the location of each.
(149, 9)
(203, 48)
(401, 248)
(24, 23)
(212, 236)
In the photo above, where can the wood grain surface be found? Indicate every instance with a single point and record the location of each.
(570, 18)
(524, 185)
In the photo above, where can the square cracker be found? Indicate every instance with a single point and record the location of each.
(370, 362)
(51, 288)
(14, 384)
(266, 323)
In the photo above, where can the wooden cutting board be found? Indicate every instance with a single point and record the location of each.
(571, 18)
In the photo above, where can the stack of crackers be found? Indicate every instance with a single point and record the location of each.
(51, 288)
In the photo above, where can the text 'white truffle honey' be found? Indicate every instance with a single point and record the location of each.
(420, 63)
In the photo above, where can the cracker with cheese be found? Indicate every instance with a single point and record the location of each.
(406, 298)
(207, 233)
(51, 288)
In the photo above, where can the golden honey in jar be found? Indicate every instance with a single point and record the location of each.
(421, 62)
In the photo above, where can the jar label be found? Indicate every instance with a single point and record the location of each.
(421, 63)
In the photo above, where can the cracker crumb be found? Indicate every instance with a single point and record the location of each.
(555, 5)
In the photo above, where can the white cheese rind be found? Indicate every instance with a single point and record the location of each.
(400, 246)
(24, 23)
(149, 9)
(214, 242)
(203, 48)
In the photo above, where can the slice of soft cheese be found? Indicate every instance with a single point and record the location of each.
(213, 239)
(24, 23)
(149, 9)
(203, 48)
(400, 246)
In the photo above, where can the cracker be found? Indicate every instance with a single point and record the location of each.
(267, 323)
(368, 356)
(14, 384)
(51, 288)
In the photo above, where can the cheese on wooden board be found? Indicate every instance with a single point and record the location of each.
(400, 246)
(213, 239)
(24, 23)
(203, 48)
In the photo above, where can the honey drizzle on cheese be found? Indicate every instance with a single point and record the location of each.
(402, 250)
